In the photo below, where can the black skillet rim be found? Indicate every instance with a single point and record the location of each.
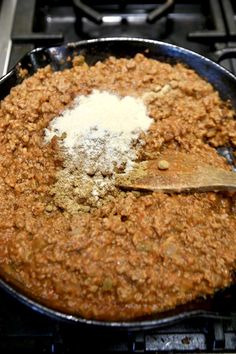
(141, 324)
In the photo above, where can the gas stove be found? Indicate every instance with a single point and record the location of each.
(207, 27)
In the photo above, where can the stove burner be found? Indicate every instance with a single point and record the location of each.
(87, 11)
(122, 12)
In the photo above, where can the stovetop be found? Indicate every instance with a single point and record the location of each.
(25, 331)
(205, 26)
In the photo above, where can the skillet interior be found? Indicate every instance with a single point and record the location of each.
(222, 303)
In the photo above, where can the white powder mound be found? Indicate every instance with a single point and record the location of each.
(101, 111)
(100, 133)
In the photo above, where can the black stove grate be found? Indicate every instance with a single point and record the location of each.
(204, 26)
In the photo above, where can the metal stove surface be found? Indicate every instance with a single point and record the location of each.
(207, 27)
(203, 26)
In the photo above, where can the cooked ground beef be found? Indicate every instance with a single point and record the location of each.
(139, 253)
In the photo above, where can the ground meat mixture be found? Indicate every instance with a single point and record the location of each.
(138, 253)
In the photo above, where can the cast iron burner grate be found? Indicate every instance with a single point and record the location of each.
(203, 26)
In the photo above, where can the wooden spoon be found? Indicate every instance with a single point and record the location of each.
(184, 173)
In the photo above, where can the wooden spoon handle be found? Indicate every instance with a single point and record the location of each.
(204, 179)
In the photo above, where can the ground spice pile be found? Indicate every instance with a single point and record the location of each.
(98, 137)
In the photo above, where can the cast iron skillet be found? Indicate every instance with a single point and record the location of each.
(222, 304)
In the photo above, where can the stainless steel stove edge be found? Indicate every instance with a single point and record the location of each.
(7, 14)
